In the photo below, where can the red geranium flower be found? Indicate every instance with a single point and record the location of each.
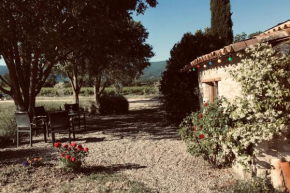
(80, 147)
(86, 149)
(201, 136)
(73, 159)
(73, 144)
(57, 144)
(65, 146)
(62, 154)
(200, 116)
(205, 104)
(67, 156)
(194, 128)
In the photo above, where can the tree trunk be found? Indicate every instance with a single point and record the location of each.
(76, 96)
(31, 104)
(97, 94)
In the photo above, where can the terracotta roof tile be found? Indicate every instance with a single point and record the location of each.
(280, 32)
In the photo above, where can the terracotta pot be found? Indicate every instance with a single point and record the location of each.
(285, 166)
(277, 175)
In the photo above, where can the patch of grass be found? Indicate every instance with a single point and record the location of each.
(138, 187)
(257, 185)
(117, 182)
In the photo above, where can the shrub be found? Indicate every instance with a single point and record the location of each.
(7, 126)
(262, 111)
(112, 103)
(60, 88)
(205, 133)
(71, 157)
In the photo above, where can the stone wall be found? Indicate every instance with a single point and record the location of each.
(227, 87)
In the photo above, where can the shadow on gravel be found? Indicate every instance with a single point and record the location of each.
(111, 169)
(145, 124)
(12, 156)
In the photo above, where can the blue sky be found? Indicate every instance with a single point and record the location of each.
(172, 18)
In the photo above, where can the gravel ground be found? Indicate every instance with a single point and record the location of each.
(138, 146)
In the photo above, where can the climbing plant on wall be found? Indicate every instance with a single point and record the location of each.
(262, 111)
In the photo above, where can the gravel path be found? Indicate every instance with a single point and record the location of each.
(138, 146)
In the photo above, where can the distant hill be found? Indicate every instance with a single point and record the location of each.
(154, 71)
(3, 70)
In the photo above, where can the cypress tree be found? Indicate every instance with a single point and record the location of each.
(221, 22)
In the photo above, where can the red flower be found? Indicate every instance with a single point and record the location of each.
(65, 146)
(205, 104)
(67, 156)
(201, 136)
(62, 154)
(80, 147)
(73, 144)
(73, 159)
(194, 128)
(200, 116)
(57, 144)
(86, 149)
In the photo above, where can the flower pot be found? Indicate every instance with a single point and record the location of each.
(276, 175)
(285, 166)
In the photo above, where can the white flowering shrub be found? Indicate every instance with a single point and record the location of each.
(263, 109)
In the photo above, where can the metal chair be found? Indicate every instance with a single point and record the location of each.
(59, 122)
(40, 114)
(24, 125)
(72, 107)
(81, 118)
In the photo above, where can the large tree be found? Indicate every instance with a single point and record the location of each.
(37, 34)
(31, 34)
(112, 48)
(128, 57)
(221, 22)
(180, 90)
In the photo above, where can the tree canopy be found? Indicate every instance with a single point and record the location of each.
(180, 90)
(221, 22)
(36, 34)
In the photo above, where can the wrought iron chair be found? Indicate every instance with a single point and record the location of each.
(58, 123)
(24, 125)
(40, 114)
(78, 119)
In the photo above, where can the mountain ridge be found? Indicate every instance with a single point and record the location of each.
(154, 71)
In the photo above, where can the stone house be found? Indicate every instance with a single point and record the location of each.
(215, 80)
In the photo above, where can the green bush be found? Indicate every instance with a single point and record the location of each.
(7, 124)
(205, 133)
(112, 103)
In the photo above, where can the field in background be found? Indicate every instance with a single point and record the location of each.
(89, 91)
